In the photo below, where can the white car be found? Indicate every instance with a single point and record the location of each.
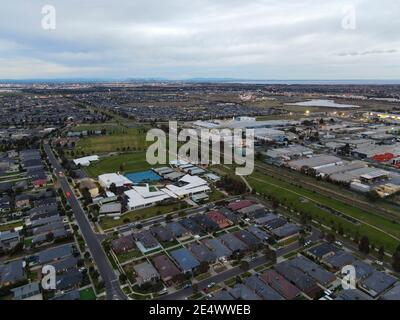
(210, 285)
(379, 263)
(338, 243)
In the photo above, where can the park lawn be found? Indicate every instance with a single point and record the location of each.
(110, 127)
(215, 195)
(9, 226)
(87, 294)
(129, 162)
(293, 196)
(129, 139)
(145, 213)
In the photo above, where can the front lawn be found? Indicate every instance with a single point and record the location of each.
(87, 294)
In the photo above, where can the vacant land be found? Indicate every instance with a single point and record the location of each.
(146, 213)
(127, 162)
(125, 140)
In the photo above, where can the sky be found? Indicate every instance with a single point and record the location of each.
(181, 39)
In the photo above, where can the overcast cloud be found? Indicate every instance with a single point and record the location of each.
(259, 39)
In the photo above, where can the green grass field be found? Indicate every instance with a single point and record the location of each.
(130, 162)
(379, 230)
(146, 213)
(294, 197)
(126, 140)
(125, 256)
(9, 226)
(87, 294)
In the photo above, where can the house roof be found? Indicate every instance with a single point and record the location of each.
(392, 294)
(286, 230)
(55, 253)
(165, 267)
(162, 233)
(145, 270)
(68, 279)
(110, 208)
(233, 242)
(235, 206)
(247, 238)
(176, 228)
(303, 281)
(363, 269)
(185, 259)
(322, 276)
(123, 244)
(260, 234)
(11, 272)
(219, 218)
(280, 284)
(26, 290)
(323, 249)
(202, 253)
(262, 289)
(242, 292)
(340, 259)
(218, 248)
(352, 294)
(377, 283)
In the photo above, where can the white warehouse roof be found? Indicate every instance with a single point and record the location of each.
(85, 161)
(106, 180)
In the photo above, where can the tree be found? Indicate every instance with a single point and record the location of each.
(396, 261)
(363, 245)
(203, 267)
(123, 277)
(244, 265)
(381, 253)
(330, 237)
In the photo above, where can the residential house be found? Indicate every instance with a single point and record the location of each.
(30, 291)
(280, 284)
(166, 268)
(186, 261)
(145, 273)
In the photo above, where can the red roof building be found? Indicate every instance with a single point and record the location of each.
(219, 219)
(239, 205)
(39, 183)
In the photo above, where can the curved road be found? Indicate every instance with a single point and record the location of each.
(113, 289)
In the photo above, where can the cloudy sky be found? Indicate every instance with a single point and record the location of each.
(177, 39)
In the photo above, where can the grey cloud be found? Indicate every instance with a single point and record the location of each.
(222, 38)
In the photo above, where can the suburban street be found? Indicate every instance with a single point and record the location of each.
(106, 271)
